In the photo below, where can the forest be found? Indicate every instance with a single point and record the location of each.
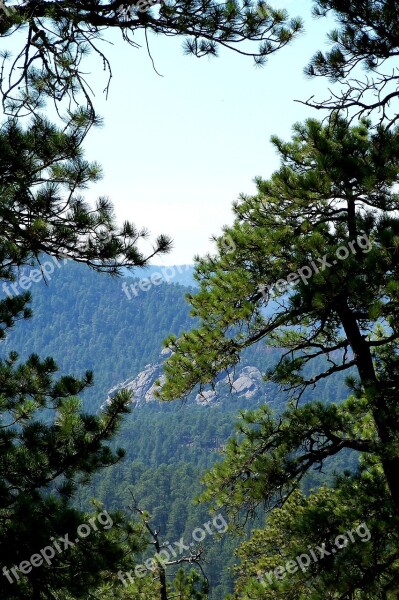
(163, 470)
(222, 432)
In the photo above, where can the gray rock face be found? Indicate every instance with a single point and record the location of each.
(206, 398)
(142, 386)
(248, 382)
(245, 383)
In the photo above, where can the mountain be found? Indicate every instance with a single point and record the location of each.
(85, 320)
(182, 274)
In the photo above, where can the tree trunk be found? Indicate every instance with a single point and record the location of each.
(162, 579)
(385, 423)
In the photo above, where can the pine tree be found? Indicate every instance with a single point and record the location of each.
(366, 35)
(321, 546)
(59, 34)
(49, 446)
(312, 269)
(42, 174)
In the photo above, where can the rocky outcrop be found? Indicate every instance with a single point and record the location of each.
(142, 386)
(244, 383)
(248, 383)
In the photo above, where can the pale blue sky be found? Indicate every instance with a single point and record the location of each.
(177, 150)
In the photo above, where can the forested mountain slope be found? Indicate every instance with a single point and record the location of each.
(86, 321)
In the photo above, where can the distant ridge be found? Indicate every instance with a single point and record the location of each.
(182, 274)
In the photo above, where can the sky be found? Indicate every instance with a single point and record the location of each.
(178, 149)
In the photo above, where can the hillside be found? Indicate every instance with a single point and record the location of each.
(86, 321)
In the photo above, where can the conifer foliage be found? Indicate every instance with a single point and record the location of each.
(366, 36)
(315, 273)
(58, 35)
(48, 445)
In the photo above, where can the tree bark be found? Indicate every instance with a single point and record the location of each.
(385, 424)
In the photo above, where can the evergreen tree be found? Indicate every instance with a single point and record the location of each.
(314, 272)
(42, 172)
(335, 543)
(189, 587)
(366, 36)
(59, 34)
(48, 445)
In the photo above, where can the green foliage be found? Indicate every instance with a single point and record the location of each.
(189, 587)
(49, 447)
(164, 470)
(331, 209)
(270, 455)
(42, 170)
(56, 37)
(366, 35)
(363, 563)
